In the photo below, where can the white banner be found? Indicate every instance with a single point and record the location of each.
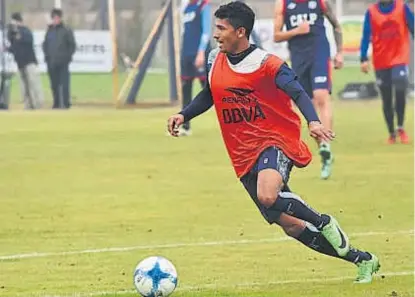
(93, 52)
(264, 29)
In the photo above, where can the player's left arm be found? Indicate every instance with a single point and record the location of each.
(337, 31)
(287, 81)
(409, 18)
(205, 36)
(365, 42)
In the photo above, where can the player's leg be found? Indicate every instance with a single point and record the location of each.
(203, 81)
(367, 263)
(273, 172)
(400, 82)
(384, 81)
(302, 69)
(323, 106)
(321, 84)
(187, 74)
(411, 67)
(202, 76)
(307, 234)
(321, 241)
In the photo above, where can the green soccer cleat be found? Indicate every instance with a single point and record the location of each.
(366, 269)
(326, 160)
(336, 237)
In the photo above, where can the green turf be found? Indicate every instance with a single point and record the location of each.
(97, 88)
(102, 178)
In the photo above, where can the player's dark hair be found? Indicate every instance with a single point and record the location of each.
(238, 14)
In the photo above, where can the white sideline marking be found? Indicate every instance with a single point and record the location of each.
(241, 285)
(178, 245)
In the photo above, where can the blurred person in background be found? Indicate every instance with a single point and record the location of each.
(59, 46)
(387, 25)
(411, 55)
(22, 48)
(310, 56)
(197, 28)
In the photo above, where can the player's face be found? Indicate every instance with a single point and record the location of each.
(226, 36)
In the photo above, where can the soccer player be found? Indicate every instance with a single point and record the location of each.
(310, 56)
(387, 24)
(411, 86)
(252, 91)
(197, 29)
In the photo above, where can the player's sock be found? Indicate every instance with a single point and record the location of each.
(326, 159)
(325, 151)
(386, 94)
(356, 256)
(325, 145)
(293, 205)
(187, 86)
(400, 94)
(313, 239)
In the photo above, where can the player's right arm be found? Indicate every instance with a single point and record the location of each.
(201, 103)
(279, 34)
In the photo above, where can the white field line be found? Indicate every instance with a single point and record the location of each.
(213, 286)
(180, 245)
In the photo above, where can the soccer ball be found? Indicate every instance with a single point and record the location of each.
(155, 277)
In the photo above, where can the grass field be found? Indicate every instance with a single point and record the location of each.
(87, 193)
(97, 88)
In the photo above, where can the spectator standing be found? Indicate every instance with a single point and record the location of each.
(22, 48)
(59, 46)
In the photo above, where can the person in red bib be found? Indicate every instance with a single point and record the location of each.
(252, 91)
(388, 24)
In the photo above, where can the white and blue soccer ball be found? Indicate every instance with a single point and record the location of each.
(155, 277)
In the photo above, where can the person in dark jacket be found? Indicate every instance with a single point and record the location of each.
(58, 47)
(22, 48)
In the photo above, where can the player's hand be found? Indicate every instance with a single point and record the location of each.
(200, 60)
(173, 124)
(303, 28)
(319, 132)
(364, 66)
(338, 61)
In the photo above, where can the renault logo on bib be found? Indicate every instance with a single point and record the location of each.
(244, 106)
